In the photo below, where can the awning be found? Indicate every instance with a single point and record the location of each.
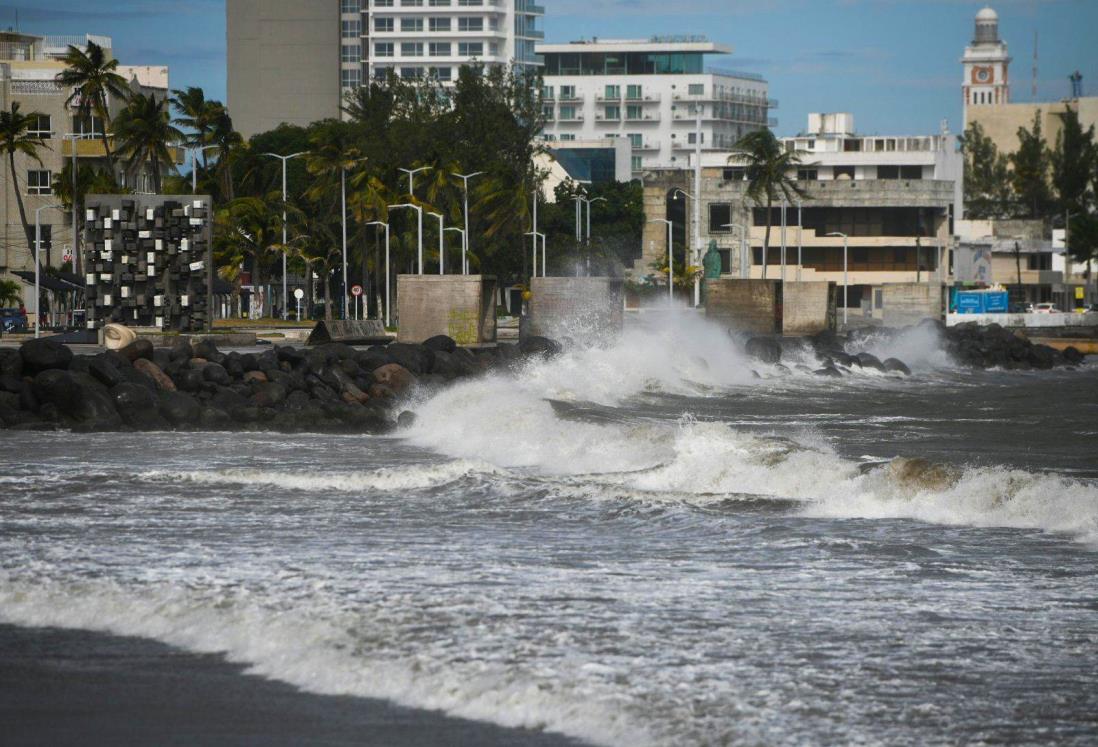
(49, 282)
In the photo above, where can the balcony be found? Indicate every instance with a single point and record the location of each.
(570, 119)
(643, 117)
(646, 98)
(568, 98)
(607, 118)
(646, 146)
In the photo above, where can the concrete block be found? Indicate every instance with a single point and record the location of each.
(576, 307)
(461, 306)
(806, 307)
(903, 304)
(745, 305)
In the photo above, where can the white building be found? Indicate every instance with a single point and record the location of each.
(435, 37)
(650, 92)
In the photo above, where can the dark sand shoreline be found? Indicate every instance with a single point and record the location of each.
(75, 687)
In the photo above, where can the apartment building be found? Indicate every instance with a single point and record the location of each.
(29, 64)
(294, 60)
(658, 93)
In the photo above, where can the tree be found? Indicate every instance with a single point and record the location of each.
(94, 79)
(1073, 162)
(197, 114)
(11, 293)
(249, 228)
(230, 145)
(987, 176)
(145, 133)
(15, 138)
(768, 166)
(1031, 167)
(1082, 240)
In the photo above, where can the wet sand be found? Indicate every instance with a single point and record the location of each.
(74, 687)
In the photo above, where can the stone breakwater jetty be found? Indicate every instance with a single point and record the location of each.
(329, 388)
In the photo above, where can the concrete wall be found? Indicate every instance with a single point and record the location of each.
(903, 304)
(1000, 122)
(805, 308)
(461, 306)
(576, 307)
(1027, 321)
(746, 305)
(283, 62)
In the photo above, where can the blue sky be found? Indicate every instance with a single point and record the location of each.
(893, 63)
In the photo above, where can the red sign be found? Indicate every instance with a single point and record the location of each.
(356, 290)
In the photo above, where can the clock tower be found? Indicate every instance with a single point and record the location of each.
(985, 62)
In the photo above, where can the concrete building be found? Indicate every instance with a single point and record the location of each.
(650, 92)
(293, 60)
(29, 64)
(894, 196)
(583, 161)
(985, 88)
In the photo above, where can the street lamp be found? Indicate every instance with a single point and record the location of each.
(846, 308)
(411, 173)
(343, 225)
(419, 228)
(386, 225)
(697, 236)
(194, 151)
(462, 232)
(465, 234)
(441, 248)
(537, 235)
(670, 263)
(38, 266)
(745, 267)
(285, 292)
(784, 206)
(800, 235)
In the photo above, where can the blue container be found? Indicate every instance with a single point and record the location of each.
(969, 302)
(996, 302)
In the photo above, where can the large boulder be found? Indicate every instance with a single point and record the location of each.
(139, 348)
(269, 395)
(206, 348)
(44, 355)
(179, 408)
(11, 363)
(765, 349)
(137, 406)
(153, 371)
(539, 346)
(415, 358)
(868, 360)
(101, 367)
(77, 399)
(897, 365)
(441, 343)
(216, 374)
(395, 377)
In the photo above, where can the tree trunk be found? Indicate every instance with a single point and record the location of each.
(157, 183)
(257, 284)
(766, 239)
(105, 118)
(28, 231)
(310, 291)
(327, 295)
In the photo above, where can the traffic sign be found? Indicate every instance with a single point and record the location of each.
(299, 294)
(356, 290)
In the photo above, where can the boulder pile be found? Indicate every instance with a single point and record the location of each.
(994, 346)
(330, 388)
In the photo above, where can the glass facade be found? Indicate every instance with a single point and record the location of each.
(629, 63)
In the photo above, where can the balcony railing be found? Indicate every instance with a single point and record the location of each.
(603, 98)
(643, 117)
(645, 98)
(607, 118)
(569, 119)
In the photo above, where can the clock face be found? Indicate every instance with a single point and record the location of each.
(982, 74)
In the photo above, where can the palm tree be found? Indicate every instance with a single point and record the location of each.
(15, 138)
(11, 293)
(229, 144)
(145, 132)
(93, 78)
(768, 166)
(249, 227)
(197, 114)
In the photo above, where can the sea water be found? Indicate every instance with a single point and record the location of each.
(652, 541)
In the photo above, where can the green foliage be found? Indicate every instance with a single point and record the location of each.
(1031, 170)
(11, 293)
(987, 187)
(15, 138)
(617, 221)
(1074, 160)
(93, 78)
(1083, 238)
(145, 133)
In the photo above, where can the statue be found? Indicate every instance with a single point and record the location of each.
(711, 262)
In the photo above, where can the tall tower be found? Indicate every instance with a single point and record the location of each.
(985, 65)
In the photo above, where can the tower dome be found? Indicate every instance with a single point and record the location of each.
(987, 27)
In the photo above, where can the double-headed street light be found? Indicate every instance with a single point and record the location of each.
(537, 235)
(411, 180)
(697, 239)
(670, 263)
(194, 151)
(465, 234)
(38, 266)
(846, 308)
(386, 225)
(419, 228)
(441, 247)
(462, 232)
(285, 292)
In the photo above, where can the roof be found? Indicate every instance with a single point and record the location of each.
(633, 45)
(987, 14)
(49, 282)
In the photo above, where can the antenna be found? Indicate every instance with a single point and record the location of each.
(1033, 88)
(1076, 79)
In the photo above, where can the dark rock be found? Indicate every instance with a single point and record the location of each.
(120, 361)
(189, 380)
(298, 400)
(1072, 355)
(181, 350)
(11, 363)
(406, 419)
(162, 357)
(216, 374)
(829, 371)
(765, 349)
(369, 360)
(895, 364)
(150, 369)
(441, 343)
(233, 365)
(9, 401)
(214, 418)
(395, 377)
(44, 355)
(293, 356)
(104, 370)
(139, 348)
(446, 366)
(382, 392)
(137, 406)
(179, 408)
(269, 395)
(80, 363)
(205, 348)
(249, 362)
(415, 358)
(11, 383)
(28, 400)
(227, 400)
(868, 360)
(541, 346)
(82, 403)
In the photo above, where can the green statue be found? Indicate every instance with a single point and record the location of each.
(711, 262)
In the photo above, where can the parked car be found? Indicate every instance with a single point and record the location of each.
(13, 320)
(1046, 308)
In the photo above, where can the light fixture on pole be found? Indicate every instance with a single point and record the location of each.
(462, 232)
(846, 308)
(194, 151)
(465, 241)
(745, 266)
(697, 258)
(441, 248)
(800, 235)
(386, 225)
(411, 178)
(285, 290)
(343, 226)
(419, 229)
(670, 263)
(537, 235)
(38, 266)
(784, 205)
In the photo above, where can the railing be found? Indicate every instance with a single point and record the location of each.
(602, 97)
(642, 118)
(734, 73)
(76, 40)
(577, 117)
(644, 98)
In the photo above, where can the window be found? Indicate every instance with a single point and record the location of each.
(843, 172)
(351, 53)
(411, 24)
(40, 127)
(350, 78)
(439, 49)
(442, 73)
(411, 3)
(692, 138)
(411, 49)
(636, 163)
(383, 24)
(39, 182)
(471, 49)
(612, 113)
(633, 92)
(633, 111)
(1041, 261)
(470, 3)
(439, 3)
(568, 136)
(438, 24)
(852, 146)
(720, 215)
(911, 172)
(471, 24)
(383, 49)
(547, 92)
(567, 92)
(888, 172)
(567, 111)
(734, 174)
(408, 73)
(547, 113)
(807, 175)
(383, 3)
(696, 89)
(352, 29)
(612, 92)
(350, 6)
(636, 139)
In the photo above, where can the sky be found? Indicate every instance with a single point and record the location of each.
(893, 63)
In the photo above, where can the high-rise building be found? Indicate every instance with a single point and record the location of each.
(653, 93)
(293, 60)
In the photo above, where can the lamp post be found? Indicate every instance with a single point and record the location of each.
(285, 292)
(784, 206)
(670, 263)
(38, 266)
(386, 225)
(441, 248)
(697, 228)
(194, 151)
(411, 178)
(462, 232)
(419, 228)
(343, 226)
(800, 246)
(846, 309)
(744, 267)
(465, 233)
(537, 235)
